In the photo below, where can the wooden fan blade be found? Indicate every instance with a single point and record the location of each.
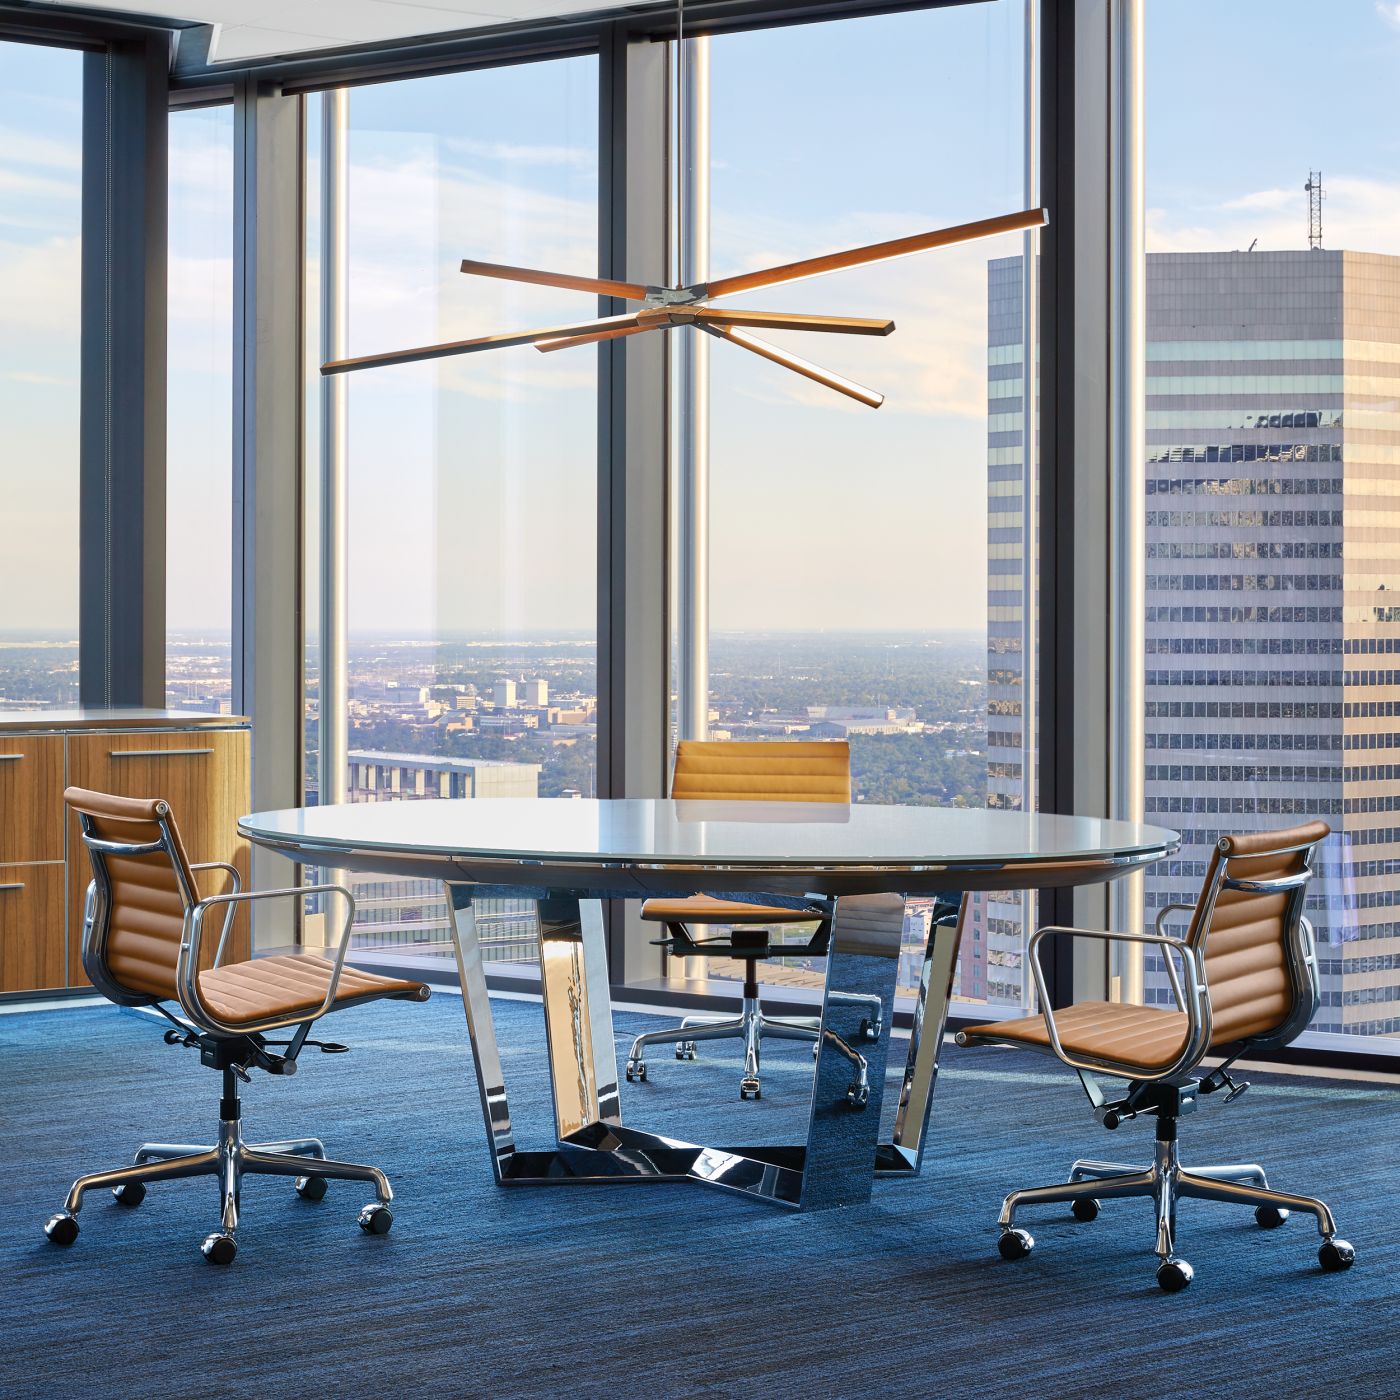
(877, 252)
(569, 341)
(788, 321)
(646, 320)
(629, 291)
(797, 364)
(483, 342)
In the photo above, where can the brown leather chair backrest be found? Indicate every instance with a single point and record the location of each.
(146, 901)
(731, 770)
(1248, 936)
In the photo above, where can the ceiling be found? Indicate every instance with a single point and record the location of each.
(256, 29)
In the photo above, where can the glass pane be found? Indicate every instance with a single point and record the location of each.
(866, 565)
(472, 480)
(1272, 463)
(41, 112)
(199, 423)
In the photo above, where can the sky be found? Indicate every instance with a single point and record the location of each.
(473, 480)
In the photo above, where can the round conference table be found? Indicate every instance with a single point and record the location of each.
(569, 855)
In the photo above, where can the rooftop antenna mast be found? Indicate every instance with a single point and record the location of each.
(1315, 198)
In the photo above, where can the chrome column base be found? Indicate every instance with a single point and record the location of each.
(1165, 1183)
(751, 1026)
(229, 1160)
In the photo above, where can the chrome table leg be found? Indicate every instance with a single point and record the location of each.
(486, 1055)
(577, 1013)
(903, 1154)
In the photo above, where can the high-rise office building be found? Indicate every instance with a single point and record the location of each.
(992, 967)
(377, 776)
(1272, 467)
(503, 693)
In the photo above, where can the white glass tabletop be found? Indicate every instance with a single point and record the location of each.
(638, 835)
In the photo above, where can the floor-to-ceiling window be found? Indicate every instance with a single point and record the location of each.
(866, 566)
(199, 418)
(1272, 462)
(41, 108)
(471, 482)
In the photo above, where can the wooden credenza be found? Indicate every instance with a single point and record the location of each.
(198, 763)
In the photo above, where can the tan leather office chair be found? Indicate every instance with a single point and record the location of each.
(1247, 981)
(730, 771)
(143, 936)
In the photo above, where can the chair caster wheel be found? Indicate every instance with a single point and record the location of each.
(219, 1248)
(1085, 1209)
(1269, 1217)
(129, 1193)
(1015, 1244)
(685, 1050)
(376, 1218)
(858, 1095)
(871, 1030)
(61, 1228)
(750, 1089)
(1174, 1274)
(311, 1188)
(1336, 1255)
(637, 1072)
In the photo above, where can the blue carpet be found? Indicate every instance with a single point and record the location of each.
(661, 1291)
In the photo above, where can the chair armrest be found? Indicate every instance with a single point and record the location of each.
(187, 970)
(1196, 1004)
(236, 879)
(1165, 911)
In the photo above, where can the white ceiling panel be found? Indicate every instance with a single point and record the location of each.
(255, 29)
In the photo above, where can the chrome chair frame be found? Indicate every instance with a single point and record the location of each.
(1166, 1181)
(226, 1046)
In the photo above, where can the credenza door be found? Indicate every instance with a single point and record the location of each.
(31, 798)
(31, 927)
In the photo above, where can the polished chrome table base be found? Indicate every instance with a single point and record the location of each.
(842, 1153)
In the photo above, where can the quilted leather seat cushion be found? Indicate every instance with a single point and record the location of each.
(278, 986)
(1139, 1035)
(705, 909)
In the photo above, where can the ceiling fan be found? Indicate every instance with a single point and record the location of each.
(664, 308)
